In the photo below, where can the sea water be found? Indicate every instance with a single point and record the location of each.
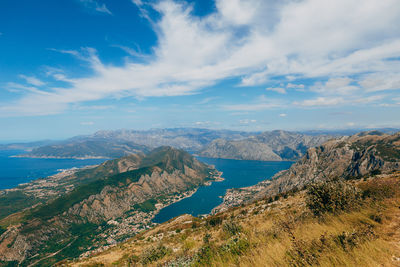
(15, 171)
(237, 173)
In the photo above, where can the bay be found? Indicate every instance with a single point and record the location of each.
(15, 171)
(237, 173)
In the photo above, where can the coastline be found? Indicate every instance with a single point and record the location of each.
(129, 225)
(56, 157)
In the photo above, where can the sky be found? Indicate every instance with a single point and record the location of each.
(71, 67)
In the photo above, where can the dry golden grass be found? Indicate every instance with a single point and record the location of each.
(283, 233)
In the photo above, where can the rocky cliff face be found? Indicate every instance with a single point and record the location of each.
(118, 205)
(347, 157)
(274, 146)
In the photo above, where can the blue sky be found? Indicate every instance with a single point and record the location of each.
(70, 67)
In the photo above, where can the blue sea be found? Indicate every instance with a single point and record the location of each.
(15, 171)
(237, 173)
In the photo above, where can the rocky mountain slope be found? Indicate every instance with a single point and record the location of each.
(268, 146)
(283, 232)
(42, 190)
(347, 157)
(102, 209)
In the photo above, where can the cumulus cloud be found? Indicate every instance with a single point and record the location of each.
(336, 85)
(252, 40)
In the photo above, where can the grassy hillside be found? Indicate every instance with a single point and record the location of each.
(336, 223)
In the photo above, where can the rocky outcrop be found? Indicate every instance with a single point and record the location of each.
(347, 157)
(268, 146)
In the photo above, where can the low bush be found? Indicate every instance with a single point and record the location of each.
(348, 240)
(214, 221)
(236, 246)
(154, 253)
(332, 196)
(378, 189)
(232, 228)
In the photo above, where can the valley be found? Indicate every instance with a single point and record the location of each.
(93, 213)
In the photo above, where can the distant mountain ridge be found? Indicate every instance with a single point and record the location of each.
(87, 149)
(269, 146)
(119, 143)
(116, 199)
(189, 139)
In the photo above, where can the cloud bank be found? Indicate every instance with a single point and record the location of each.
(350, 48)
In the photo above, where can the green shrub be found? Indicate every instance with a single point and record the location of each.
(236, 246)
(376, 218)
(206, 238)
(379, 189)
(332, 197)
(350, 240)
(232, 228)
(154, 253)
(146, 206)
(214, 220)
(205, 255)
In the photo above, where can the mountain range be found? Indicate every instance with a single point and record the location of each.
(268, 146)
(114, 144)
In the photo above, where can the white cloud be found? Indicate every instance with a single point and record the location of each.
(257, 106)
(335, 85)
(295, 86)
(321, 101)
(339, 101)
(32, 80)
(381, 81)
(253, 40)
(95, 5)
(247, 121)
(283, 115)
(279, 90)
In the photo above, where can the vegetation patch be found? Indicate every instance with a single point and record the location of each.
(333, 197)
(81, 193)
(146, 206)
(154, 254)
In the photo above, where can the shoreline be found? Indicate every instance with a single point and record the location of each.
(55, 157)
